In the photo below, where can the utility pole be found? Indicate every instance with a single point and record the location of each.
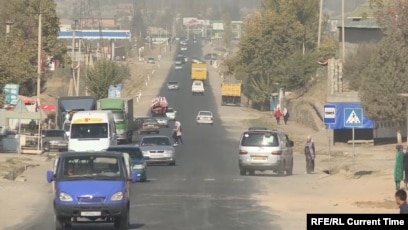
(72, 80)
(39, 48)
(78, 68)
(343, 42)
(320, 25)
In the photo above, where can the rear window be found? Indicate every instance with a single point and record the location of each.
(260, 139)
(155, 141)
(197, 83)
(205, 114)
(149, 120)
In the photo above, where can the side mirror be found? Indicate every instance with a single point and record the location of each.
(291, 143)
(134, 177)
(50, 176)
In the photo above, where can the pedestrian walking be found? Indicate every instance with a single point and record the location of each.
(310, 155)
(399, 166)
(278, 115)
(405, 164)
(178, 133)
(285, 115)
(401, 200)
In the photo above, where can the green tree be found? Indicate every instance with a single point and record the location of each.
(385, 75)
(227, 37)
(104, 74)
(19, 50)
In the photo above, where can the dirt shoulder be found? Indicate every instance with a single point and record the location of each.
(362, 184)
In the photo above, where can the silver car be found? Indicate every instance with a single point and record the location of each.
(172, 85)
(262, 150)
(162, 120)
(158, 149)
(55, 139)
(171, 114)
(178, 66)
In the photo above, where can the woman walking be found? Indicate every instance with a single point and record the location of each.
(399, 167)
(310, 154)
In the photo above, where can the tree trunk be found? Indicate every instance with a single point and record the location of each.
(399, 137)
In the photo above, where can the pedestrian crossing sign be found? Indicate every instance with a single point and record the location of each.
(353, 117)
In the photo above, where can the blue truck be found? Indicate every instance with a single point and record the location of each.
(92, 186)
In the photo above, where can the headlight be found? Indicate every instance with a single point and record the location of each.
(117, 196)
(144, 152)
(65, 197)
(138, 166)
(169, 151)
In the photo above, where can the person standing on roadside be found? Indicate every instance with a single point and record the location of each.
(401, 200)
(399, 166)
(278, 115)
(178, 133)
(285, 115)
(405, 163)
(310, 154)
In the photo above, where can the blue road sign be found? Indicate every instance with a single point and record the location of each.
(11, 92)
(115, 91)
(329, 114)
(353, 117)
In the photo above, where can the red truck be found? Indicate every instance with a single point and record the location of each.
(159, 106)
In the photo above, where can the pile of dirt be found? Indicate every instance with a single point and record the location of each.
(13, 167)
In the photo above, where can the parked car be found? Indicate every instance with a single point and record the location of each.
(146, 125)
(55, 139)
(158, 149)
(205, 117)
(92, 186)
(171, 114)
(151, 61)
(172, 85)
(138, 162)
(262, 150)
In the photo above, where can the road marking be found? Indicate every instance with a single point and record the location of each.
(209, 179)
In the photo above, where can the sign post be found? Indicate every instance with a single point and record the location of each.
(329, 119)
(353, 118)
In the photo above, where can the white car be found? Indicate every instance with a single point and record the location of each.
(197, 87)
(178, 66)
(205, 117)
(171, 114)
(183, 48)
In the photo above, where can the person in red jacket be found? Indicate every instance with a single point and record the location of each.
(278, 115)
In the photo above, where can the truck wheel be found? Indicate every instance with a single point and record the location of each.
(122, 222)
(61, 223)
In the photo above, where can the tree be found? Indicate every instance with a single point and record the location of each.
(18, 63)
(104, 74)
(385, 75)
(227, 37)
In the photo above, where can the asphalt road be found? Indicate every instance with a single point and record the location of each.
(204, 190)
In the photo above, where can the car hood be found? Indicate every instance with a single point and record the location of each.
(156, 147)
(77, 188)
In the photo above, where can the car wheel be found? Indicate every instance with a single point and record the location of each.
(61, 223)
(242, 172)
(167, 126)
(172, 163)
(122, 222)
(251, 172)
(144, 179)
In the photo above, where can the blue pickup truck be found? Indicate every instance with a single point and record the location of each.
(92, 186)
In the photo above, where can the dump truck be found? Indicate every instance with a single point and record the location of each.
(67, 106)
(159, 106)
(122, 109)
(199, 71)
(231, 92)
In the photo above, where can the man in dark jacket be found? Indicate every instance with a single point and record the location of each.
(401, 200)
(405, 165)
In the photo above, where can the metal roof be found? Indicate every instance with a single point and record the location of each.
(369, 23)
(96, 34)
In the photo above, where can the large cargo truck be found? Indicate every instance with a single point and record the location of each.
(68, 106)
(199, 71)
(231, 92)
(122, 109)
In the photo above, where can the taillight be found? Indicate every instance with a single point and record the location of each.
(211, 118)
(277, 153)
(242, 152)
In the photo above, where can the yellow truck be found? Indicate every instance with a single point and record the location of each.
(199, 71)
(231, 92)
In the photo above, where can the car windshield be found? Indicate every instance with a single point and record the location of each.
(260, 139)
(91, 167)
(133, 152)
(55, 133)
(258, 128)
(93, 130)
(173, 83)
(205, 114)
(154, 141)
(197, 83)
(170, 110)
(149, 120)
(151, 59)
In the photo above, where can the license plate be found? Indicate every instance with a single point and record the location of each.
(91, 213)
(156, 155)
(259, 158)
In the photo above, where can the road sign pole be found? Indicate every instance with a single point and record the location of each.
(354, 153)
(329, 136)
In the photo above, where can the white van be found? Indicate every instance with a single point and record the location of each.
(92, 131)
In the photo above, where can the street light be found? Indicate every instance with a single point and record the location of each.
(405, 95)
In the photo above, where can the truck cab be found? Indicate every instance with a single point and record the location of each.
(91, 185)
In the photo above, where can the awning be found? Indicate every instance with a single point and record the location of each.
(48, 108)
